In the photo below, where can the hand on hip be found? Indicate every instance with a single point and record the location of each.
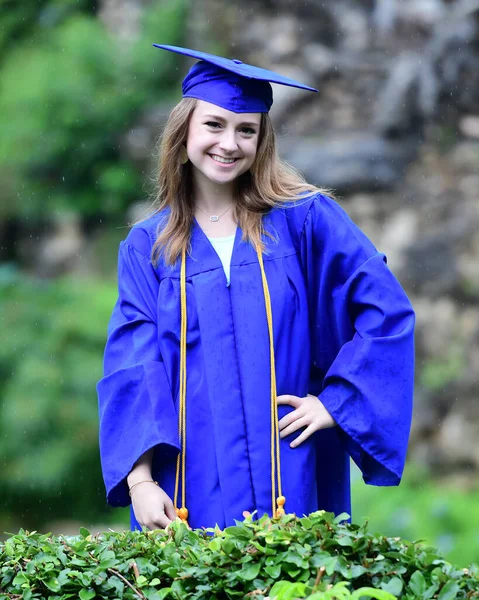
(309, 412)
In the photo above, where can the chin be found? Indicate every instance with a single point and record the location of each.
(222, 180)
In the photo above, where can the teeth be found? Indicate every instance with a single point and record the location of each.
(222, 160)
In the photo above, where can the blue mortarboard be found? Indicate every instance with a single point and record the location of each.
(230, 84)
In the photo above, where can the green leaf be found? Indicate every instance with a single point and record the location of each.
(107, 559)
(393, 586)
(9, 549)
(117, 585)
(295, 559)
(239, 532)
(215, 545)
(249, 571)
(61, 555)
(160, 594)
(342, 517)
(367, 592)
(85, 578)
(449, 591)
(87, 594)
(274, 571)
(417, 583)
(287, 590)
(330, 563)
(345, 540)
(306, 523)
(180, 533)
(84, 532)
(357, 571)
(429, 593)
(53, 584)
(20, 579)
(292, 570)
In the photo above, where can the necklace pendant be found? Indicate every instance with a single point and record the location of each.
(214, 218)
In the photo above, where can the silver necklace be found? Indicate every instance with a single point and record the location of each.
(214, 218)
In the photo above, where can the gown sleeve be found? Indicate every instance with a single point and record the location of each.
(362, 343)
(136, 407)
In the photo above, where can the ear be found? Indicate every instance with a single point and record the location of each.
(183, 155)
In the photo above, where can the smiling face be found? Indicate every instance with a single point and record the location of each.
(221, 144)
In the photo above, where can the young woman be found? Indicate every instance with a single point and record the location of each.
(259, 339)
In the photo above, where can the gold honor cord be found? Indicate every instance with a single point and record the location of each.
(181, 459)
(277, 503)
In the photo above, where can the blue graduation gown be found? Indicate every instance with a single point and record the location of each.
(343, 330)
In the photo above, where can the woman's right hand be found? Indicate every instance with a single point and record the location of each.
(152, 506)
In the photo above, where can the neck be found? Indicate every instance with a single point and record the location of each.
(212, 198)
(214, 205)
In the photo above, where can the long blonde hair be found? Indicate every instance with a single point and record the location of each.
(269, 182)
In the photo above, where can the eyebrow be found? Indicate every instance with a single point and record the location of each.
(218, 118)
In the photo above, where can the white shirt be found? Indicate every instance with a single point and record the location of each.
(224, 249)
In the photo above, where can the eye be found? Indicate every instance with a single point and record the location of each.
(248, 130)
(213, 124)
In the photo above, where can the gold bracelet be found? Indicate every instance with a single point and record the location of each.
(138, 483)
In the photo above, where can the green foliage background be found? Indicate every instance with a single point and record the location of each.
(50, 361)
(68, 91)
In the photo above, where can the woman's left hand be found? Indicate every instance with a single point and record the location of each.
(308, 412)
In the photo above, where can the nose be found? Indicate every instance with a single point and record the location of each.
(228, 142)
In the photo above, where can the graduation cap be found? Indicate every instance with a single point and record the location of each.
(230, 83)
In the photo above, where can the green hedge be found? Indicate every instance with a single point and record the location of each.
(314, 557)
